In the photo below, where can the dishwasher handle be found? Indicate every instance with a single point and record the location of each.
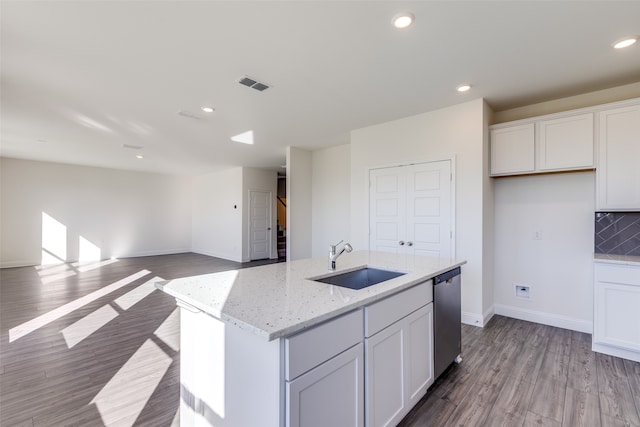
(446, 276)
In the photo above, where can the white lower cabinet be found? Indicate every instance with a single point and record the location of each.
(330, 394)
(616, 320)
(386, 376)
(399, 367)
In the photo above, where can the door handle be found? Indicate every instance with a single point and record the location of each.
(409, 243)
(401, 242)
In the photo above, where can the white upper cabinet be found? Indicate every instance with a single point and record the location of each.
(553, 143)
(565, 143)
(618, 171)
(513, 150)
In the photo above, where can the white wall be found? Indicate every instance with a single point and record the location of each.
(458, 131)
(122, 213)
(217, 214)
(258, 180)
(331, 204)
(559, 267)
(299, 212)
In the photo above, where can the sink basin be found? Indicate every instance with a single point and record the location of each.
(360, 279)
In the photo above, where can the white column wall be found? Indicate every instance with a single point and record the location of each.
(331, 203)
(299, 211)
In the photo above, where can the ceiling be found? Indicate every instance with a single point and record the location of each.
(97, 83)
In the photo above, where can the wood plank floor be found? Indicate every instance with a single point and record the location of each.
(93, 345)
(517, 373)
(96, 345)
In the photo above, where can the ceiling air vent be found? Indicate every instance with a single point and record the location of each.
(253, 83)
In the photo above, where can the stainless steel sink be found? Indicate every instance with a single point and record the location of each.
(360, 279)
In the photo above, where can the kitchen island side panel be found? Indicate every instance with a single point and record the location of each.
(228, 377)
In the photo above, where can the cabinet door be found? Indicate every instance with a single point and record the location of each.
(385, 377)
(419, 354)
(399, 367)
(618, 174)
(330, 394)
(565, 143)
(617, 306)
(512, 150)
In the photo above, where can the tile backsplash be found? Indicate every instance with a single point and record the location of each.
(617, 233)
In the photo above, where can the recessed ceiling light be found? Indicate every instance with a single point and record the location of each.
(244, 138)
(207, 109)
(463, 87)
(625, 42)
(139, 156)
(403, 20)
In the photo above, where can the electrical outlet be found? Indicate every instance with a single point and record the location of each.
(537, 235)
(523, 291)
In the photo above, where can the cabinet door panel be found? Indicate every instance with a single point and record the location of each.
(618, 174)
(565, 143)
(513, 150)
(385, 396)
(420, 353)
(329, 395)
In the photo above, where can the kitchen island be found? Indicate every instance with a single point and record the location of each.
(269, 346)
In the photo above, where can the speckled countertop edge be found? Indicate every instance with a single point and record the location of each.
(278, 300)
(617, 259)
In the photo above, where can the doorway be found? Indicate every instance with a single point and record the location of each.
(260, 224)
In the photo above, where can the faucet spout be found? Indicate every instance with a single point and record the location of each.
(334, 254)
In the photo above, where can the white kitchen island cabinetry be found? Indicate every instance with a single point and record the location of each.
(616, 320)
(270, 346)
(324, 369)
(618, 174)
(398, 357)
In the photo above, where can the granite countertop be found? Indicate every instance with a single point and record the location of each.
(278, 300)
(617, 259)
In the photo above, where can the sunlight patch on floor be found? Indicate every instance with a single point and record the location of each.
(123, 398)
(78, 331)
(169, 330)
(51, 273)
(136, 295)
(88, 266)
(53, 315)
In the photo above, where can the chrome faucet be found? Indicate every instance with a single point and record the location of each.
(333, 256)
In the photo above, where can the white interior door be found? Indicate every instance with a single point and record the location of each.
(429, 209)
(260, 224)
(387, 194)
(411, 209)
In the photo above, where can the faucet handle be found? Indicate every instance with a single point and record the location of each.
(333, 247)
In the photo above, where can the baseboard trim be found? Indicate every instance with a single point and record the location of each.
(35, 263)
(14, 264)
(544, 318)
(615, 351)
(216, 255)
(475, 319)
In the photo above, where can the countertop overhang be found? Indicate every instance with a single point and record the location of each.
(277, 300)
(617, 259)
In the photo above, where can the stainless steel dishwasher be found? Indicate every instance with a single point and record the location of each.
(447, 323)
